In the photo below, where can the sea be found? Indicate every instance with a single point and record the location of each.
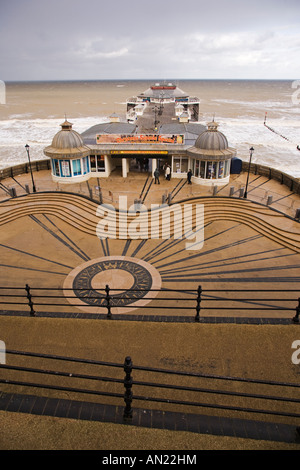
(263, 114)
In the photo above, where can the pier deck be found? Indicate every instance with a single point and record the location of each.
(44, 236)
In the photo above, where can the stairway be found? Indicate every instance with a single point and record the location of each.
(81, 213)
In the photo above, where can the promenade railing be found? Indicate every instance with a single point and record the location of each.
(189, 304)
(154, 388)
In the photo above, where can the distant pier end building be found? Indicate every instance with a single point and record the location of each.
(185, 107)
(161, 128)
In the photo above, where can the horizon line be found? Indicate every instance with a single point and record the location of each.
(142, 80)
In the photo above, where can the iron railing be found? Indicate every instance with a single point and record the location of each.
(180, 302)
(186, 390)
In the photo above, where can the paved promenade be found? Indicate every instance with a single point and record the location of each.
(259, 190)
(49, 239)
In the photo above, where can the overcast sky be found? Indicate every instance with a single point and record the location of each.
(143, 39)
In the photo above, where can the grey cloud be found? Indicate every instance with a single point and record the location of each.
(76, 39)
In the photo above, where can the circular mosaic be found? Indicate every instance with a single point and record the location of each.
(131, 282)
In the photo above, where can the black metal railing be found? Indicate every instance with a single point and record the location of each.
(181, 302)
(180, 389)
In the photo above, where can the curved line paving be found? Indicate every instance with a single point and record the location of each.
(50, 240)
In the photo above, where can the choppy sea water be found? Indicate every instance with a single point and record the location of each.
(33, 112)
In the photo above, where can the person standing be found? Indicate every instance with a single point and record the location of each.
(168, 173)
(156, 176)
(189, 176)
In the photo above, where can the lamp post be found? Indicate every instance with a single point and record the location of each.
(33, 185)
(246, 189)
(155, 109)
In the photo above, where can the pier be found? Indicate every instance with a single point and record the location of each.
(141, 298)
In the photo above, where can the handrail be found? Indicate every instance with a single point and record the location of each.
(151, 369)
(128, 383)
(189, 300)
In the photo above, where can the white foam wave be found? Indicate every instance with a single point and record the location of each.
(242, 133)
(15, 133)
(276, 109)
(257, 103)
(270, 149)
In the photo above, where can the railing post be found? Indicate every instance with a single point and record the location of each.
(198, 308)
(100, 192)
(128, 389)
(296, 317)
(108, 297)
(29, 297)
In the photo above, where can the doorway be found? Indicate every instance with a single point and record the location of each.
(140, 165)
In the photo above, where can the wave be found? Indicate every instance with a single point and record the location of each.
(256, 103)
(241, 132)
(15, 133)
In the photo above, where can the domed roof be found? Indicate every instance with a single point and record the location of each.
(67, 138)
(212, 139)
(211, 144)
(66, 142)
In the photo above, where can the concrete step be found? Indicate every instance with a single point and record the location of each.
(82, 214)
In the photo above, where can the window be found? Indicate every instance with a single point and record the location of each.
(65, 168)
(211, 170)
(176, 165)
(202, 169)
(197, 168)
(97, 163)
(227, 166)
(192, 162)
(76, 167)
(85, 165)
(221, 170)
(93, 163)
(215, 170)
(180, 164)
(55, 167)
(100, 163)
(184, 165)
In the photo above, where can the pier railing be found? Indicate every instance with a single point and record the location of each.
(96, 381)
(168, 304)
(13, 172)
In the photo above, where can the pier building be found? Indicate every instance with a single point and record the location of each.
(186, 107)
(232, 306)
(161, 129)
